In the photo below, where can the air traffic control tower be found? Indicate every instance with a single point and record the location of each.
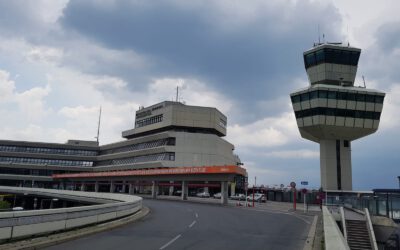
(333, 112)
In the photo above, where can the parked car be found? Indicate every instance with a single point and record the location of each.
(203, 195)
(217, 196)
(257, 197)
(240, 197)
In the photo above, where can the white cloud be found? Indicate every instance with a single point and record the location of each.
(44, 54)
(7, 86)
(267, 132)
(390, 118)
(295, 154)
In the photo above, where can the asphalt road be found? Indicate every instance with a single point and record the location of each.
(186, 225)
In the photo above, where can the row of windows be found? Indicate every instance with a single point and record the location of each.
(7, 148)
(148, 121)
(222, 123)
(143, 158)
(338, 112)
(151, 144)
(331, 56)
(36, 172)
(46, 161)
(337, 95)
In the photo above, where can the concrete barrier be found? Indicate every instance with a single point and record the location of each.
(21, 224)
(334, 239)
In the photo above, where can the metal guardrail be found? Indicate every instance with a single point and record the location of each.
(21, 224)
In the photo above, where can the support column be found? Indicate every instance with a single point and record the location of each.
(224, 192)
(233, 188)
(206, 188)
(112, 188)
(82, 186)
(335, 161)
(96, 186)
(123, 186)
(184, 190)
(131, 188)
(171, 189)
(154, 190)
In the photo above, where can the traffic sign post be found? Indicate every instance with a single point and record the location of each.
(293, 185)
(304, 191)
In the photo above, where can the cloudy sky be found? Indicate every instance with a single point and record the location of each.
(61, 60)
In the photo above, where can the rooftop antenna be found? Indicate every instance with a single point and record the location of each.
(364, 82)
(323, 38)
(319, 36)
(177, 94)
(348, 38)
(98, 127)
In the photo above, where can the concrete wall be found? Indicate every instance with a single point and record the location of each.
(334, 239)
(26, 223)
(194, 149)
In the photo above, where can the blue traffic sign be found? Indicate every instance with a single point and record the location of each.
(305, 183)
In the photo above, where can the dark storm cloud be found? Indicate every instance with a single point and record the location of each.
(248, 60)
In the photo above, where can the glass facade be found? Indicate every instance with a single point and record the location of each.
(150, 144)
(35, 161)
(148, 121)
(169, 156)
(338, 112)
(43, 150)
(36, 172)
(338, 95)
(336, 56)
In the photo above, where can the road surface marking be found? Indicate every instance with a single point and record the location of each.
(197, 216)
(171, 241)
(191, 225)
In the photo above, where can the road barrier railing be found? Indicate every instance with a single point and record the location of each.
(21, 224)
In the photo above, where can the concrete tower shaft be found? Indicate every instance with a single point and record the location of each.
(332, 112)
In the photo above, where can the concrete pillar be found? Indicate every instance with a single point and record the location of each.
(233, 188)
(154, 190)
(131, 188)
(335, 161)
(206, 188)
(112, 187)
(96, 186)
(224, 192)
(123, 187)
(141, 189)
(184, 190)
(171, 189)
(82, 186)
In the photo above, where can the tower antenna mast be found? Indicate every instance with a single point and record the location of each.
(98, 127)
(177, 94)
(364, 81)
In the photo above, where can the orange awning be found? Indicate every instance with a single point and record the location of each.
(162, 171)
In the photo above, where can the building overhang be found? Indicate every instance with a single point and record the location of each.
(177, 171)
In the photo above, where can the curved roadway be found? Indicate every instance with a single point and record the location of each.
(186, 225)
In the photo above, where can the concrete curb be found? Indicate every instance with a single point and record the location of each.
(311, 235)
(46, 241)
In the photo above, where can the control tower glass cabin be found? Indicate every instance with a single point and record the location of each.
(333, 112)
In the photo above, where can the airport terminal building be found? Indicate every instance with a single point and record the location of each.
(172, 147)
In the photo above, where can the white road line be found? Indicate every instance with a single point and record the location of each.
(197, 216)
(171, 241)
(191, 225)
